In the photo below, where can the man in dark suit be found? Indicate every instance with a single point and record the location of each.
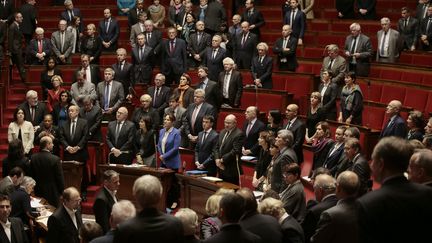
(231, 210)
(142, 55)
(285, 48)
(338, 224)
(15, 37)
(213, 94)
(120, 138)
(62, 44)
(11, 229)
(65, 223)
(408, 28)
(192, 122)
(244, 47)
(228, 150)
(91, 72)
(381, 211)
(7, 9)
(160, 94)
(34, 111)
(251, 128)
(46, 170)
(421, 10)
(93, 115)
(137, 28)
(206, 141)
(262, 67)
(123, 71)
(366, 9)
(109, 31)
(254, 17)
(265, 226)
(358, 164)
(29, 13)
(154, 40)
(324, 189)
(296, 18)
(150, 224)
(230, 83)
(39, 48)
(298, 128)
(197, 45)
(174, 56)
(358, 51)
(146, 109)
(70, 12)
(215, 16)
(135, 11)
(213, 57)
(419, 169)
(336, 64)
(106, 198)
(121, 212)
(73, 136)
(396, 125)
(336, 152)
(13, 180)
(425, 31)
(110, 93)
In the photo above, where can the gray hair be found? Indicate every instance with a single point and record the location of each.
(122, 211)
(189, 219)
(147, 190)
(287, 136)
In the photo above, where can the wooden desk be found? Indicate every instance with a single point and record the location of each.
(128, 175)
(72, 172)
(195, 191)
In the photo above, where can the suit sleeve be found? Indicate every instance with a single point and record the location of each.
(83, 141)
(175, 147)
(129, 144)
(324, 230)
(58, 176)
(299, 137)
(101, 214)
(63, 137)
(239, 91)
(120, 96)
(108, 137)
(236, 148)
(97, 124)
(332, 102)
(268, 72)
(54, 231)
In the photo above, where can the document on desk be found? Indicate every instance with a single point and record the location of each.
(43, 220)
(211, 178)
(35, 203)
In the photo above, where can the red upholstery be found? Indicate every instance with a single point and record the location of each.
(372, 93)
(223, 113)
(390, 93)
(428, 107)
(262, 101)
(373, 117)
(416, 98)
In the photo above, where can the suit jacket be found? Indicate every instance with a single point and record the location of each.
(18, 234)
(94, 120)
(263, 71)
(135, 30)
(243, 53)
(286, 156)
(188, 96)
(102, 207)
(78, 93)
(125, 138)
(195, 47)
(204, 150)
(179, 115)
(346, 8)
(364, 47)
(255, 18)
(333, 160)
(206, 109)
(360, 166)
(6, 186)
(287, 59)
(33, 49)
(94, 73)
(133, 15)
(329, 101)
(408, 33)
(298, 128)
(214, 65)
(61, 227)
(396, 127)
(124, 76)
(338, 68)
(235, 88)
(110, 35)
(107, 238)
(299, 25)
(151, 225)
(171, 156)
(7, 10)
(155, 41)
(27, 134)
(313, 214)
(424, 31)
(176, 19)
(40, 112)
(96, 47)
(15, 37)
(251, 139)
(46, 170)
(29, 14)
(369, 5)
(79, 139)
(143, 68)
(338, 224)
(264, 226)
(233, 233)
(377, 220)
(214, 16)
(175, 62)
(160, 102)
(393, 45)
(76, 12)
(154, 115)
(292, 230)
(421, 11)
(213, 96)
(230, 152)
(67, 48)
(116, 97)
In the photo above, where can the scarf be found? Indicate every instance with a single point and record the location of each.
(349, 94)
(319, 145)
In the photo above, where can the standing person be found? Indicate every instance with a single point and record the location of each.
(15, 158)
(124, 6)
(262, 67)
(285, 48)
(142, 55)
(146, 110)
(12, 225)
(93, 115)
(174, 56)
(213, 56)
(228, 151)
(51, 69)
(160, 94)
(206, 141)
(351, 101)
(293, 196)
(184, 91)
(62, 44)
(358, 51)
(296, 18)
(388, 43)
(77, 33)
(34, 111)
(213, 94)
(81, 89)
(91, 44)
(15, 36)
(264, 158)
(109, 31)
(252, 128)
(21, 129)
(345, 9)
(70, 12)
(334, 63)
(54, 94)
(120, 138)
(145, 142)
(329, 92)
(65, 223)
(314, 115)
(110, 93)
(49, 129)
(244, 47)
(396, 125)
(358, 164)
(169, 156)
(38, 49)
(29, 13)
(321, 144)
(254, 17)
(46, 170)
(230, 83)
(298, 128)
(124, 72)
(407, 27)
(60, 110)
(157, 14)
(74, 136)
(366, 9)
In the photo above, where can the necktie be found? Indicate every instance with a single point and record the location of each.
(405, 23)
(214, 53)
(382, 51)
(285, 42)
(141, 52)
(33, 113)
(73, 129)
(261, 59)
(289, 125)
(249, 127)
(199, 38)
(172, 46)
(148, 37)
(204, 137)
(106, 26)
(117, 132)
(61, 41)
(106, 101)
(249, 13)
(293, 12)
(225, 137)
(243, 40)
(353, 47)
(40, 47)
(202, 14)
(225, 85)
(425, 6)
(70, 15)
(156, 96)
(428, 25)
(194, 115)
(330, 64)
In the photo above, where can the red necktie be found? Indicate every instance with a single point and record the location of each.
(40, 47)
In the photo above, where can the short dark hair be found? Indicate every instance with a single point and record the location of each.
(210, 118)
(232, 205)
(250, 203)
(203, 68)
(355, 132)
(109, 174)
(15, 150)
(69, 100)
(4, 197)
(292, 168)
(352, 75)
(89, 231)
(16, 171)
(15, 114)
(277, 116)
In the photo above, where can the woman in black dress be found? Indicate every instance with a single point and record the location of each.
(351, 106)
(15, 158)
(145, 140)
(263, 161)
(91, 44)
(274, 119)
(314, 115)
(46, 76)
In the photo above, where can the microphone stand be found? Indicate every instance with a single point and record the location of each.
(238, 170)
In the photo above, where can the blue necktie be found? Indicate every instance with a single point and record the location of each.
(106, 98)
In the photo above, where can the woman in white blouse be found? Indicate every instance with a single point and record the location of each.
(21, 129)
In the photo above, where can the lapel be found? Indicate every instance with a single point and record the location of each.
(15, 234)
(3, 236)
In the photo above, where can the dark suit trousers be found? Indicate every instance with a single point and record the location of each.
(173, 194)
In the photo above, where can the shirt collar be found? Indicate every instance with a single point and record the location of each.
(7, 224)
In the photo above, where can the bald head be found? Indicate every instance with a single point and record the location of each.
(122, 114)
(324, 185)
(230, 122)
(394, 107)
(291, 111)
(347, 185)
